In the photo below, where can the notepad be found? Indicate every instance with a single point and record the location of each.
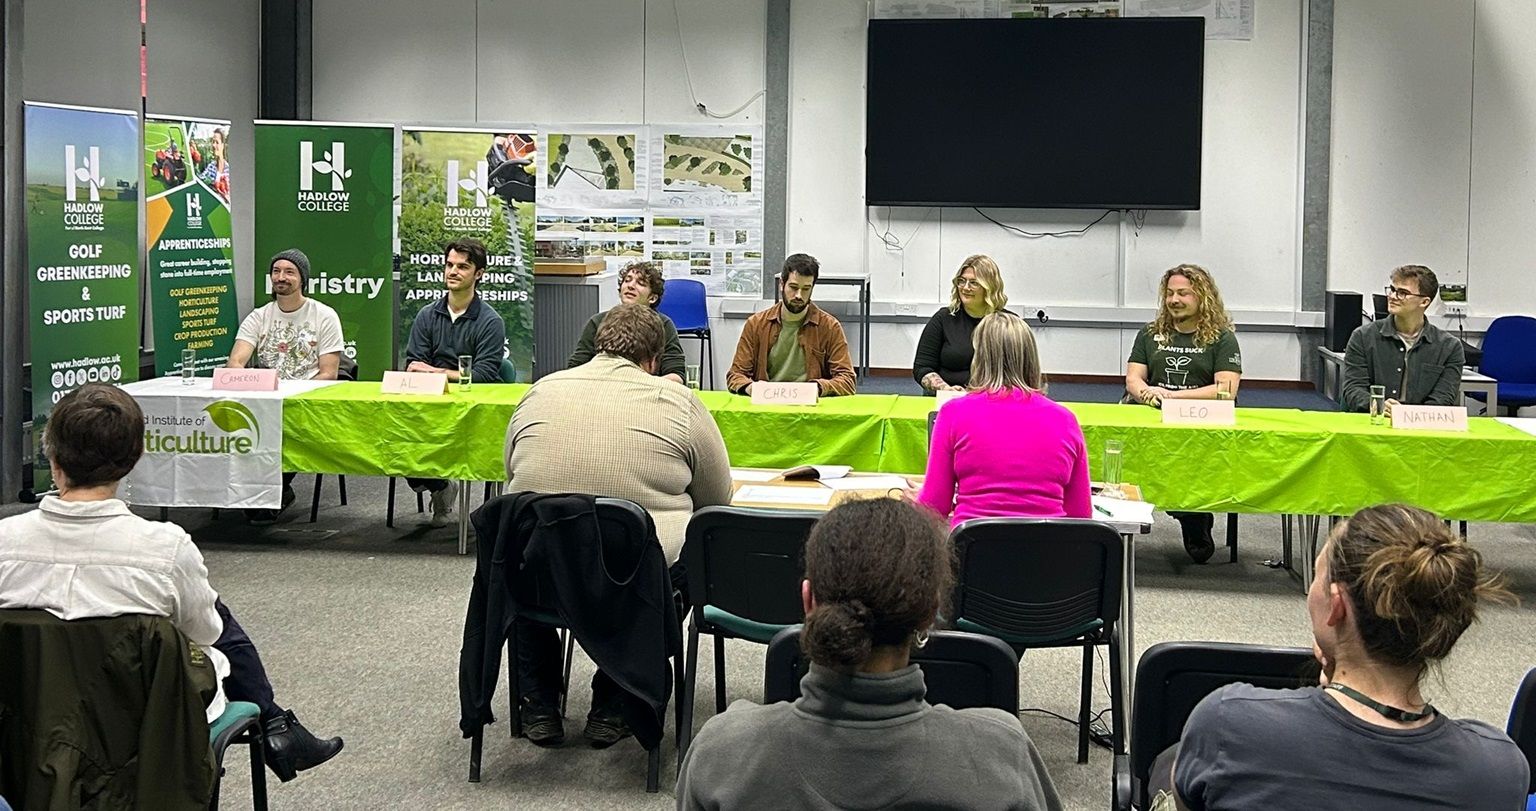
(745, 475)
(1121, 511)
(768, 493)
(867, 483)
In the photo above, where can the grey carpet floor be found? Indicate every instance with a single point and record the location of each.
(360, 627)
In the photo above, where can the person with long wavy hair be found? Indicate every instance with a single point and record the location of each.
(943, 358)
(1188, 352)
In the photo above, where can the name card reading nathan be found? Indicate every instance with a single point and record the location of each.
(765, 392)
(414, 383)
(245, 379)
(1429, 418)
(1199, 412)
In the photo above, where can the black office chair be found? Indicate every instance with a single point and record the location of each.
(1173, 677)
(1522, 722)
(1045, 583)
(744, 568)
(961, 670)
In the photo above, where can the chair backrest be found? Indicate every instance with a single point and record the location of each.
(933, 417)
(1174, 676)
(1036, 581)
(508, 371)
(626, 530)
(684, 301)
(961, 670)
(139, 733)
(748, 562)
(1507, 355)
(1522, 722)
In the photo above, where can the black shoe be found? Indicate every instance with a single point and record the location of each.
(605, 728)
(1199, 543)
(288, 497)
(261, 518)
(541, 724)
(291, 748)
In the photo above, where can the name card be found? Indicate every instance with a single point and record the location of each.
(942, 397)
(414, 383)
(244, 379)
(769, 393)
(1429, 418)
(1199, 412)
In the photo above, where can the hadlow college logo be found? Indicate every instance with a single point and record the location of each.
(88, 173)
(333, 164)
(194, 210)
(458, 217)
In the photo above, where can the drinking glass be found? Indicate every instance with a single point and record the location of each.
(691, 375)
(1113, 454)
(188, 367)
(1223, 390)
(1378, 405)
(466, 371)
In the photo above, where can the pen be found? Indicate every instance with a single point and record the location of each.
(1102, 511)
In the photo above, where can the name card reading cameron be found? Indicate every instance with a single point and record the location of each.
(766, 392)
(245, 379)
(414, 383)
(1199, 412)
(1429, 418)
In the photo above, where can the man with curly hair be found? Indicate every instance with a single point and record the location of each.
(639, 282)
(1189, 352)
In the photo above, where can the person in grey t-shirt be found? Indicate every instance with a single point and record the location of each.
(1394, 590)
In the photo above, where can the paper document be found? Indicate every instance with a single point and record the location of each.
(746, 475)
(1120, 511)
(774, 494)
(867, 483)
(1526, 424)
(825, 472)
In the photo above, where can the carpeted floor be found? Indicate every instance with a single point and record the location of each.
(360, 629)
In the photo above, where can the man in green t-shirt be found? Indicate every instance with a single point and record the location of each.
(1188, 352)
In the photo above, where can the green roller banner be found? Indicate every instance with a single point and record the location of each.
(328, 190)
(469, 183)
(82, 232)
(189, 236)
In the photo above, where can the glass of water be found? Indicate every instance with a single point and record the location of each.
(1113, 454)
(466, 371)
(691, 375)
(188, 367)
(1223, 390)
(1378, 405)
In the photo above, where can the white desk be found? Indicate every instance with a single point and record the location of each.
(1331, 375)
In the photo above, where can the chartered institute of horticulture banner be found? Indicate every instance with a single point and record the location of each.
(328, 190)
(191, 251)
(469, 183)
(82, 234)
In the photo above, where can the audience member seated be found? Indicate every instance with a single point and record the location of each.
(944, 352)
(83, 554)
(1394, 589)
(861, 735)
(1006, 449)
(794, 340)
(610, 427)
(1417, 362)
(639, 282)
(1189, 352)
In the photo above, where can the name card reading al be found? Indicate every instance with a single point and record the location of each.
(768, 393)
(414, 383)
(1199, 412)
(1429, 418)
(244, 379)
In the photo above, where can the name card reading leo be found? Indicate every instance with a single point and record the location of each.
(1429, 418)
(769, 393)
(414, 383)
(1199, 412)
(244, 379)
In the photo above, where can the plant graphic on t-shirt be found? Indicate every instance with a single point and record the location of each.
(290, 349)
(1177, 373)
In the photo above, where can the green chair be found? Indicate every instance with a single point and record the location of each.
(240, 723)
(744, 568)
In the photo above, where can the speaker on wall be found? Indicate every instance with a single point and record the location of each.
(1341, 316)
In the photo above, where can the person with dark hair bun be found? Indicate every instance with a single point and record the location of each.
(861, 735)
(1393, 591)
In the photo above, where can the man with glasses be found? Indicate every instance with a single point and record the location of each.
(1417, 362)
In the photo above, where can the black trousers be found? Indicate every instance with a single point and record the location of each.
(430, 485)
(247, 679)
(1195, 524)
(539, 673)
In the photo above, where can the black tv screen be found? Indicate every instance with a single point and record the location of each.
(1075, 113)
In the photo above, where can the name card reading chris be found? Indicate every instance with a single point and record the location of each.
(414, 383)
(1429, 418)
(1199, 412)
(245, 379)
(765, 392)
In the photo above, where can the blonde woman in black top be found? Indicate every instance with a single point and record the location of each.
(944, 353)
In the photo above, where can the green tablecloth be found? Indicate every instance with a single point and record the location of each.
(1272, 461)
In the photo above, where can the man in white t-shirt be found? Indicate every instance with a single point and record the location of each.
(294, 334)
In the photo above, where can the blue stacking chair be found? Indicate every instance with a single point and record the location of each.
(685, 303)
(1507, 358)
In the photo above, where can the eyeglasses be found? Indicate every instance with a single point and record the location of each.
(967, 284)
(1398, 292)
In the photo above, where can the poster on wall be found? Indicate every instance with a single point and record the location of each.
(616, 237)
(706, 166)
(189, 236)
(82, 232)
(722, 250)
(469, 183)
(594, 167)
(327, 189)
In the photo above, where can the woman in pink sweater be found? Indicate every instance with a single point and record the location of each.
(1005, 449)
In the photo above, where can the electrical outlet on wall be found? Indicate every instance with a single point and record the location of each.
(1456, 309)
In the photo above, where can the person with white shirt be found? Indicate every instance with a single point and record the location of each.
(294, 334)
(84, 554)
